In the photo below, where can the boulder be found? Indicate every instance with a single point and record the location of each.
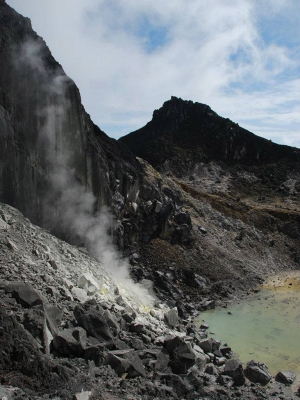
(112, 322)
(24, 293)
(125, 361)
(137, 344)
(206, 345)
(79, 294)
(225, 380)
(225, 350)
(194, 379)
(94, 353)
(179, 386)
(286, 377)
(53, 317)
(33, 322)
(209, 305)
(257, 372)
(183, 218)
(171, 317)
(88, 283)
(161, 359)
(182, 355)
(211, 369)
(83, 395)
(234, 369)
(95, 323)
(3, 225)
(70, 342)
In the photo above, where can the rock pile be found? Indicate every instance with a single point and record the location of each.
(68, 332)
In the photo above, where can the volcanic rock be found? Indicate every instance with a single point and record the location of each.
(257, 372)
(234, 369)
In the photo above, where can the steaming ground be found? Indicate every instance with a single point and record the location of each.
(40, 259)
(68, 206)
(41, 274)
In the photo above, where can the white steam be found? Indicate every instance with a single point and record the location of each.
(68, 203)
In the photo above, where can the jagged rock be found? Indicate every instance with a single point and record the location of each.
(225, 350)
(137, 327)
(24, 294)
(234, 369)
(179, 386)
(33, 322)
(171, 317)
(54, 317)
(125, 361)
(79, 294)
(21, 356)
(162, 361)
(83, 396)
(88, 283)
(194, 379)
(204, 326)
(3, 225)
(202, 230)
(112, 322)
(183, 218)
(286, 377)
(206, 345)
(220, 360)
(94, 353)
(95, 323)
(182, 355)
(137, 344)
(225, 380)
(70, 342)
(257, 372)
(209, 305)
(211, 369)
(11, 245)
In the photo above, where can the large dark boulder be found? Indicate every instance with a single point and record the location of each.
(234, 369)
(257, 372)
(101, 325)
(20, 356)
(24, 293)
(286, 377)
(182, 355)
(125, 361)
(70, 342)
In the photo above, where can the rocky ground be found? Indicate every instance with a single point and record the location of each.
(68, 331)
(218, 215)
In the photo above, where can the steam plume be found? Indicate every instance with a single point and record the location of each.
(67, 202)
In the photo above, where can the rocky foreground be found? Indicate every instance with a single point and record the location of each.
(68, 331)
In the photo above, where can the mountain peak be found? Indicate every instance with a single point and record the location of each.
(178, 108)
(183, 132)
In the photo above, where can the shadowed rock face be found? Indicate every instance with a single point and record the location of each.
(53, 158)
(182, 133)
(44, 126)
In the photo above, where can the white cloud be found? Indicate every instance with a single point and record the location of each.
(214, 52)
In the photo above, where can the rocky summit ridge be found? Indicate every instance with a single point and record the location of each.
(203, 210)
(183, 132)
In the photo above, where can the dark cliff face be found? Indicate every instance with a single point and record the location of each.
(44, 126)
(183, 133)
(55, 164)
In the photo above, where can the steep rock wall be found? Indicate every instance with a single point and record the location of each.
(43, 125)
(53, 158)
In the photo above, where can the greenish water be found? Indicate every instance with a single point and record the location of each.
(264, 327)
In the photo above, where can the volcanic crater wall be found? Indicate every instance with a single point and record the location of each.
(44, 125)
(54, 158)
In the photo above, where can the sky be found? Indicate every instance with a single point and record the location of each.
(241, 57)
